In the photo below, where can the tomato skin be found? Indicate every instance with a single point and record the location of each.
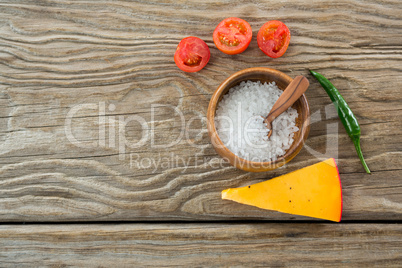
(192, 54)
(273, 38)
(232, 35)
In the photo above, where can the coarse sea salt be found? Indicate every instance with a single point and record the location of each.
(239, 122)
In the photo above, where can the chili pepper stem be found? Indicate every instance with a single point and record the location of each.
(360, 154)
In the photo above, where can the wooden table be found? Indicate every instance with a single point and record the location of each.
(94, 171)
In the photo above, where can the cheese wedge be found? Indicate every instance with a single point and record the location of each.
(313, 191)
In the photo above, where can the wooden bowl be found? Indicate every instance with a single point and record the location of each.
(302, 122)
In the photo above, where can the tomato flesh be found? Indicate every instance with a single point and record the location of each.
(273, 38)
(192, 60)
(192, 54)
(232, 35)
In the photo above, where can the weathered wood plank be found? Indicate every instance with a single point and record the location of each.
(216, 245)
(115, 59)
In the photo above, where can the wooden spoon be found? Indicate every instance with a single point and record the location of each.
(289, 96)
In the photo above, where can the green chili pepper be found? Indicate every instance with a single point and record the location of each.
(348, 120)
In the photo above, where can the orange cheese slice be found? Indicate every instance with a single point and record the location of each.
(313, 191)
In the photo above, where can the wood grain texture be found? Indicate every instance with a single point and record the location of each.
(115, 59)
(212, 245)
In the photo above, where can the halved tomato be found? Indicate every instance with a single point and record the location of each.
(273, 38)
(192, 54)
(232, 35)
